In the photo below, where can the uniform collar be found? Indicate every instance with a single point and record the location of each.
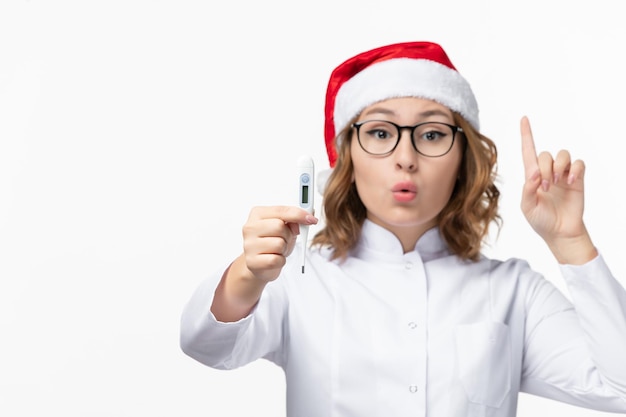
(378, 242)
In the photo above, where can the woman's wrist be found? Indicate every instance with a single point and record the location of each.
(238, 292)
(576, 250)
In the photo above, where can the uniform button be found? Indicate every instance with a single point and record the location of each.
(412, 325)
(412, 389)
(408, 265)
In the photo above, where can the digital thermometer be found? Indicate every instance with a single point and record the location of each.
(306, 175)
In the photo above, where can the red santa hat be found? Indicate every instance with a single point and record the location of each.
(410, 69)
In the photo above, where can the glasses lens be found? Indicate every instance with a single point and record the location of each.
(433, 139)
(378, 137)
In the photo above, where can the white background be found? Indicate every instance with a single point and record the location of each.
(135, 136)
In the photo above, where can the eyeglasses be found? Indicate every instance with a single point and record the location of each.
(381, 137)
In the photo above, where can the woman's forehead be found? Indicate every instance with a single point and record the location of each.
(408, 106)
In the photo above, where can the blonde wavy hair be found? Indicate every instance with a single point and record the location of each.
(464, 222)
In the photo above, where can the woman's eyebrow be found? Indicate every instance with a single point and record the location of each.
(381, 110)
(434, 113)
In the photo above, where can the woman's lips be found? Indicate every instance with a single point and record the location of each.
(404, 192)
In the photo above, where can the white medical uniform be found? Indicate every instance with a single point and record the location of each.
(424, 333)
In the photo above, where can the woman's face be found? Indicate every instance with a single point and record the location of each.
(405, 191)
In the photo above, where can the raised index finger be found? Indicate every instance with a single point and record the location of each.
(529, 153)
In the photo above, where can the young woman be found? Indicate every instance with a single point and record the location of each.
(398, 313)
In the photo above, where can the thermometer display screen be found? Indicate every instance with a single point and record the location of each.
(305, 194)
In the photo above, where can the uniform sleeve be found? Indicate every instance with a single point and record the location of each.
(231, 345)
(576, 353)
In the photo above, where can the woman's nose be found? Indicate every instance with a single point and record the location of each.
(405, 154)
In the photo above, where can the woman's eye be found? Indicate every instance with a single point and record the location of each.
(379, 134)
(432, 135)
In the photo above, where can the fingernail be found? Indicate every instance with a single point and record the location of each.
(545, 185)
(571, 179)
(310, 219)
(557, 177)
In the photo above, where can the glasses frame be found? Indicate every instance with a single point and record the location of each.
(411, 129)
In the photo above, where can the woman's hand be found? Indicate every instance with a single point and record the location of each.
(269, 236)
(553, 200)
